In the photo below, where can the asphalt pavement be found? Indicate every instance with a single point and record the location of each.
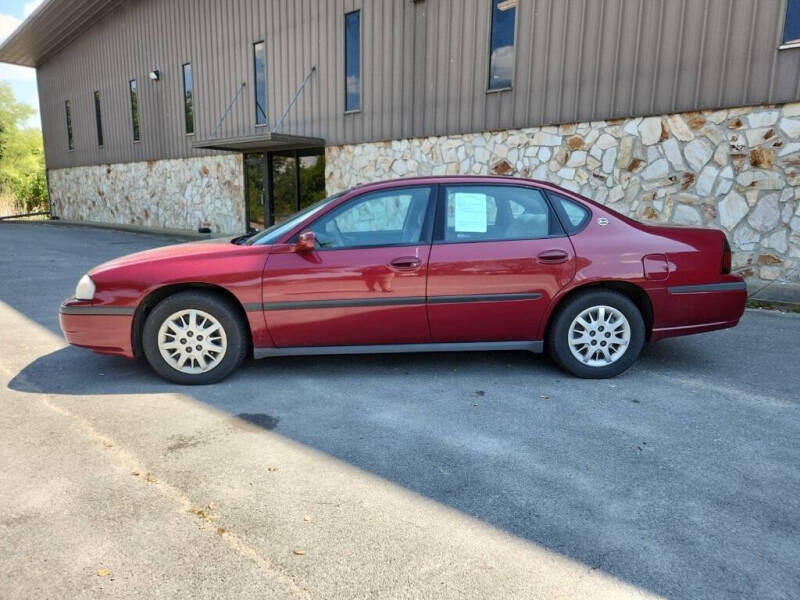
(475, 475)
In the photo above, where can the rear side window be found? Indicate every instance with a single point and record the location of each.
(577, 216)
(482, 213)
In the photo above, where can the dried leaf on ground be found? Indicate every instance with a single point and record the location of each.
(203, 513)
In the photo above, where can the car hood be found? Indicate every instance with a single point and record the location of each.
(177, 251)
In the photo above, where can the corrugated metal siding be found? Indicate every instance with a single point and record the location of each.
(424, 68)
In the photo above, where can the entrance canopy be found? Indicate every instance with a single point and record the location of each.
(262, 142)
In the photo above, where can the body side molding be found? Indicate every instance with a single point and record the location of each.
(97, 310)
(483, 298)
(728, 286)
(404, 301)
(347, 303)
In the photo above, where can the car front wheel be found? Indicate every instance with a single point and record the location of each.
(194, 338)
(597, 334)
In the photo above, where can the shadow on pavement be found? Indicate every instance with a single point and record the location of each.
(666, 488)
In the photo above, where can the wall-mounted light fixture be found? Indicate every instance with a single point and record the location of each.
(155, 75)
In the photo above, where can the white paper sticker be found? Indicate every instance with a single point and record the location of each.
(471, 213)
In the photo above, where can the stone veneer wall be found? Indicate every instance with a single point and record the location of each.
(736, 169)
(179, 194)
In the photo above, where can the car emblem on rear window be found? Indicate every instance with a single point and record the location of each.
(602, 221)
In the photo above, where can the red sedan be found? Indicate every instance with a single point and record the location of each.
(415, 265)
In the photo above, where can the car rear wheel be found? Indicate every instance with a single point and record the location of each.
(597, 334)
(194, 338)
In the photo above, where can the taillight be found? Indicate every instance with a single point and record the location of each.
(726, 256)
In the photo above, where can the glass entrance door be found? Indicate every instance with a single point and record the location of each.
(312, 178)
(298, 179)
(285, 184)
(278, 184)
(255, 190)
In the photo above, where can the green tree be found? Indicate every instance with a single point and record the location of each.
(312, 181)
(22, 175)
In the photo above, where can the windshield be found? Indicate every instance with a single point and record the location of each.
(274, 233)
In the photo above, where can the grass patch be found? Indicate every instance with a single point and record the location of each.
(770, 305)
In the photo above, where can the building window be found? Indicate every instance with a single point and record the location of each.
(188, 100)
(791, 26)
(352, 61)
(501, 44)
(70, 139)
(137, 134)
(260, 66)
(98, 118)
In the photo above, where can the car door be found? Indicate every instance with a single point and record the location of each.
(498, 257)
(365, 281)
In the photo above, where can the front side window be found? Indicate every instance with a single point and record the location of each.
(70, 139)
(188, 100)
(352, 60)
(137, 133)
(791, 26)
(98, 118)
(260, 66)
(481, 213)
(274, 233)
(385, 218)
(501, 44)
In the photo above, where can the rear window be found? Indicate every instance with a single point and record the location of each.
(577, 216)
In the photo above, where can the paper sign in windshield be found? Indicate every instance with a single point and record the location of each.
(471, 213)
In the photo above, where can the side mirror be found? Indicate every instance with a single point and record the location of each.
(306, 242)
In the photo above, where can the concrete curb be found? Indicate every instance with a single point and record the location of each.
(180, 233)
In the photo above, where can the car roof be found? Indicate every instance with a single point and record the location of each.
(450, 179)
(491, 179)
(434, 179)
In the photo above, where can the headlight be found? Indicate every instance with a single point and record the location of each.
(85, 288)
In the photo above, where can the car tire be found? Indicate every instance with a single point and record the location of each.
(175, 345)
(596, 335)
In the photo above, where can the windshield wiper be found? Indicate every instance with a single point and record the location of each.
(243, 238)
